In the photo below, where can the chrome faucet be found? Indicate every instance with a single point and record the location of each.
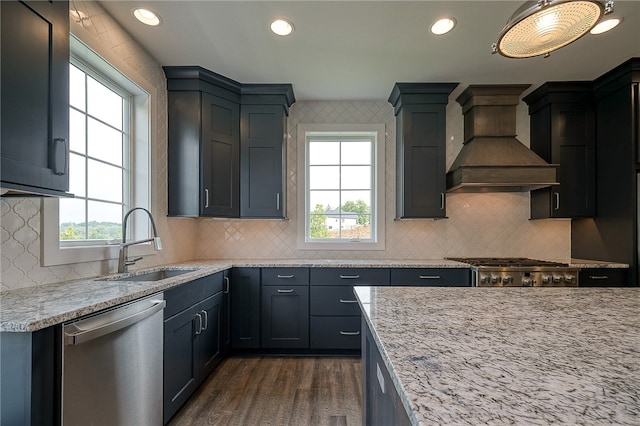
(123, 261)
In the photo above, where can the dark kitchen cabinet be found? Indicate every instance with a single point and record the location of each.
(613, 234)
(382, 404)
(203, 143)
(245, 308)
(35, 96)
(603, 277)
(285, 308)
(227, 145)
(30, 377)
(192, 338)
(263, 161)
(563, 132)
(334, 309)
(226, 312)
(285, 317)
(420, 110)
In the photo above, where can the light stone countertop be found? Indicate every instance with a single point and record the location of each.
(533, 356)
(34, 308)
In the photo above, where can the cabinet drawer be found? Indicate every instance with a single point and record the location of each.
(603, 277)
(285, 276)
(431, 277)
(334, 300)
(335, 332)
(349, 276)
(183, 296)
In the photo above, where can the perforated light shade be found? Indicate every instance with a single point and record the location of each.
(540, 27)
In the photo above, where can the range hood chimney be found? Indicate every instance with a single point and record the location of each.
(492, 159)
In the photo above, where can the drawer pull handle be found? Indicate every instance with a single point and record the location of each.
(285, 276)
(350, 333)
(599, 277)
(348, 301)
(349, 277)
(429, 277)
(289, 290)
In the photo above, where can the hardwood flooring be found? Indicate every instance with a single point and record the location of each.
(257, 391)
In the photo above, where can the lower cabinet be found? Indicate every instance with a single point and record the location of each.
(245, 308)
(603, 277)
(193, 339)
(285, 316)
(382, 404)
(428, 277)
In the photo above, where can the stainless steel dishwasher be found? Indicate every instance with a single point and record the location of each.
(112, 366)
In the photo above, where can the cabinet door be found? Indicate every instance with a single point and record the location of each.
(180, 370)
(220, 157)
(226, 312)
(208, 335)
(420, 156)
(426, 277)
(285, 317)
(245, 308)
(573, 147)
(35, 96)
(262, 161)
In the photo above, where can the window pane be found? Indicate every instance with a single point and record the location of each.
(76, 88)
(324, 177)
(105, 142)
(104, 103)
(77, 173)
(105, 221)
(324, 153)
(356, 177)
(77, 131)
(327, 199)
(356, 153)
(357, 197)
(72, 219)
(105, 181)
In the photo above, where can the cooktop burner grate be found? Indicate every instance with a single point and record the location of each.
(506, 262)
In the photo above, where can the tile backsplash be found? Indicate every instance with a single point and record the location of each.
(477, 224)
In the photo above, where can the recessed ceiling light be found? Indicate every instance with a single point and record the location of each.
(605, 26)
(147, 16)
(443, 26)
(281, 27)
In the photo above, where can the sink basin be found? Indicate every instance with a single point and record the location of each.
(154, 275)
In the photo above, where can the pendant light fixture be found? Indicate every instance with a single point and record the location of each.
(542, 26)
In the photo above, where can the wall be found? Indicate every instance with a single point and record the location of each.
(21, 217)
(477, 224)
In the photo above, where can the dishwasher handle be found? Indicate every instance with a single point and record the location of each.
(79, 335)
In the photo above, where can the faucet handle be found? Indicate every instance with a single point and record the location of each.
(157, 243)
(129, 262)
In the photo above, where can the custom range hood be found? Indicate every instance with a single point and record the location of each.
(492, 159)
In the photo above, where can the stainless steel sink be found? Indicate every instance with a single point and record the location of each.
(158, 275)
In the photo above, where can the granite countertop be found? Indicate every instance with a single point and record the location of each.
(34, 308)
(510, 355)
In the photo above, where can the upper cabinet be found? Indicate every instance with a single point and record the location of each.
(227, 144)
(420, 110)
(613, 234)
(562, 130)
(35, 96)
(263, 149)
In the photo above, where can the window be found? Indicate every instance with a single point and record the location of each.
(98, 161)
(111, 116)
(343, 188)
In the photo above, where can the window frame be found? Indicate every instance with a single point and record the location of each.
(377, 192)
(140, 180)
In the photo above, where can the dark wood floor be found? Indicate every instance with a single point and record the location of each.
(274, 391)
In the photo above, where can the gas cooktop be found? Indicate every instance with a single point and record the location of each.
(519, 272)
(505, 261)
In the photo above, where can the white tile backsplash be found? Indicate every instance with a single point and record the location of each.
(478, 224)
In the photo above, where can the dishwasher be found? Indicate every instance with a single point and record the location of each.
(112, 366)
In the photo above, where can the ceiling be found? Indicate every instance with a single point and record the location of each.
(357, 50)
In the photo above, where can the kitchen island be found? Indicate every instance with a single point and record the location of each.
(503, 355)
